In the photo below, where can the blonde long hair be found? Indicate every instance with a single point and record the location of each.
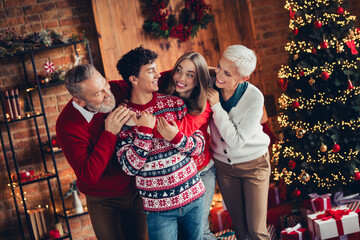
(196, 103)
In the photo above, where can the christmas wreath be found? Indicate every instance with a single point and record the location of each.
(195, 15)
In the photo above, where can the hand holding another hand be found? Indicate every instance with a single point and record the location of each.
(167, 130)
(116, 119)
(146, 120)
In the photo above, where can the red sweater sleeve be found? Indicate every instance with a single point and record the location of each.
(189, 124)
(87, 151)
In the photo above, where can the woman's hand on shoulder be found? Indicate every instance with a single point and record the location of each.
(213, 96)
(167, 130)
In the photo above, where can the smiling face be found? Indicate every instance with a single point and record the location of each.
(147, 81)
(185, 78)
(227, 75)
(96, 94)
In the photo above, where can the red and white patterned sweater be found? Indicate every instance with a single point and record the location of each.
(166, 175)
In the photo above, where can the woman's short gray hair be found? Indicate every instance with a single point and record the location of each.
(77, 75)
(243, 57)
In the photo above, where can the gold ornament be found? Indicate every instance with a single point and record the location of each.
(300, 132)
(304, 177)
(284, 172)
(275, 159)
(281, 136)
(296, 56)
(351, 33)
(282, 103)
(312, 81)
(323, 147)
(339, 48)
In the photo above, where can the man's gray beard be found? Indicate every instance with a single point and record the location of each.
(101, 107)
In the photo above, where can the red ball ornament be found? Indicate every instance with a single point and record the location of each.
(324, 45)
(295, 105)
(292, 164)
(295, 31)
(336, 148)
(324, 75)
(313, 51)
(301, 73)
(357, 176)
(357, 30)
(317, 24)
(340, 10)
(296, 193)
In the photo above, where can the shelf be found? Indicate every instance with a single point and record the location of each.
(55, 150)
(35, 115)
(27, 182)
(40, 49)
(72, 214)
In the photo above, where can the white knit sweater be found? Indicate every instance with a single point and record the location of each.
(237, 136)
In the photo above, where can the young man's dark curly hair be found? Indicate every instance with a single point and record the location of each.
(131, 63)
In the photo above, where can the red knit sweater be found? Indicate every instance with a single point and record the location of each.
(89, 150)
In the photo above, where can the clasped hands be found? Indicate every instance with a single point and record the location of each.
(167, 129)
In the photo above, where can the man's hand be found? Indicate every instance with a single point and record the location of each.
(116, 119)
(167, 130)
(213, 96)
(146, 119)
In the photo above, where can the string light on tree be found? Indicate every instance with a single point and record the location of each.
(319, 107)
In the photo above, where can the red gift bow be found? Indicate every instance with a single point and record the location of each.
(337, 215)
(351, 45)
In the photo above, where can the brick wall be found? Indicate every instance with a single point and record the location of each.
(26, 16)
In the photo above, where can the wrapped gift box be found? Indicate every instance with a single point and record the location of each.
(274, 196)
(220, 219)
(318, 202)
(297, 233)
(324, 225)
(291, 220)
(353, 206)
(272, 231)
(274, 214)
(227, 234)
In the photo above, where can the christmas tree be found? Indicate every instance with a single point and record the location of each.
(318, 148)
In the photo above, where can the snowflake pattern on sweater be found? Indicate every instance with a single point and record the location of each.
(166, 175)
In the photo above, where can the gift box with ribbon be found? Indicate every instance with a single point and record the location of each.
(333, 223)
(341, 200)
(318, 202)
(220, 219)
(274, 198)
(294, 233)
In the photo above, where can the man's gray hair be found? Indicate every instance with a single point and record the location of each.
(77, 75)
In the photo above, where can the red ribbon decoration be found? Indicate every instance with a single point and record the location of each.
(351, 45)
(337, 215)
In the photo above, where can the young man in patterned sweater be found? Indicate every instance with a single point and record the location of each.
(160, 156)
